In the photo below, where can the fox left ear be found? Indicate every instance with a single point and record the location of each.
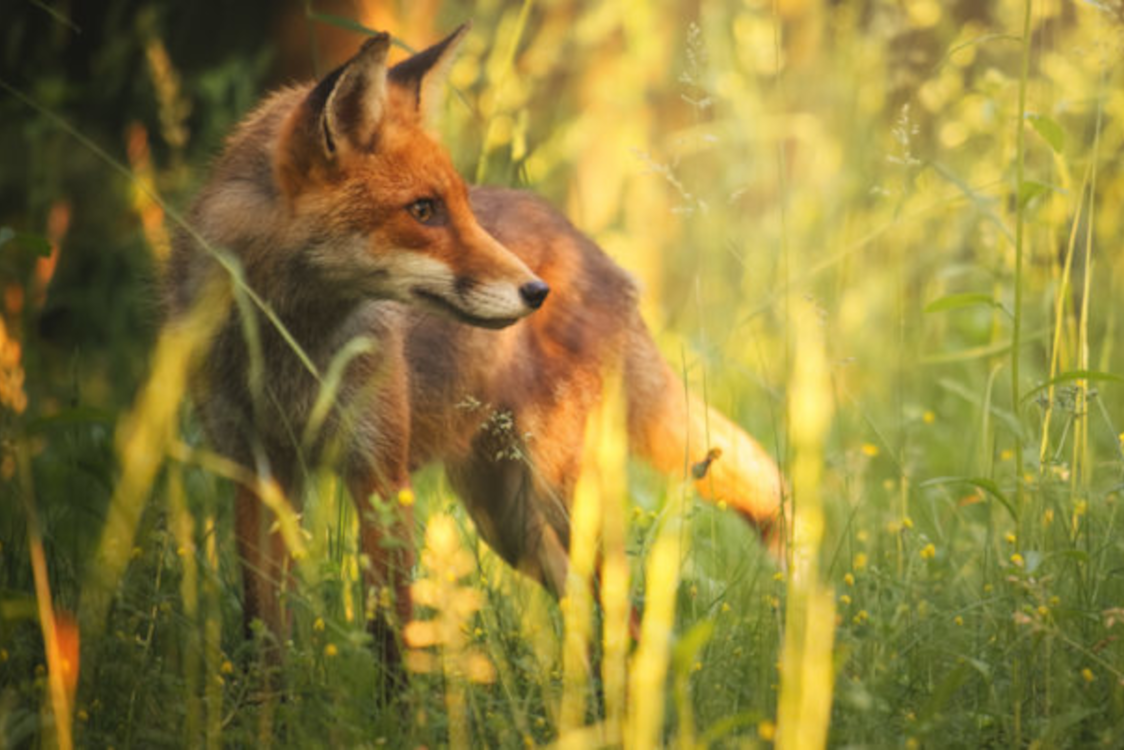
(343, 111)
(424, 74)
(356, 97)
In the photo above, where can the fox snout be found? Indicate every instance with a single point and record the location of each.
(534, 293)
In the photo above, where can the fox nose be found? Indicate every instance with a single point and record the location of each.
(533, 293)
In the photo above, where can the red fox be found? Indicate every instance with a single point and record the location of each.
(481, 305)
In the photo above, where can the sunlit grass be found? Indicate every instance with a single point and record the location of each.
(882, 237)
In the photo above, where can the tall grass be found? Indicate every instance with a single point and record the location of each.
(854, 224)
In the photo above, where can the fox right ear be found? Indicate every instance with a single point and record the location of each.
(423, 75)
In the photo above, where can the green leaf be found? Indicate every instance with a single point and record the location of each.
(1049, 129)
(79, 415)
(16, 605)
(690, 644)
(346, 23)
(982, 483)
(36, 245)
(944, 691)
(1070, 376)
(1076, 555)
(1030, 189)
(957, 301)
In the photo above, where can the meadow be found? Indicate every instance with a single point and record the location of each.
(881, 236)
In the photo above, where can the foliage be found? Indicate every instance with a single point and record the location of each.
(912, 182)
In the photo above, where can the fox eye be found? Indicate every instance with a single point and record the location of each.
(425, 211)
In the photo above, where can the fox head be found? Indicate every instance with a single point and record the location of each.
(386, 213)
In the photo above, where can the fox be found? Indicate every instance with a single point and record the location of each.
(349, 220)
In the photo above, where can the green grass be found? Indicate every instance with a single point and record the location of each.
(933, 190)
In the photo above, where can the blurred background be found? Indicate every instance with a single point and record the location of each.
(752, 162)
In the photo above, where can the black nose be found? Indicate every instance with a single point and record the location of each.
(533, 293)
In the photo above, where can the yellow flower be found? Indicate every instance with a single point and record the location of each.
(959, 621)
(870, 449)
(845, 600)
(861, 617)
(1010, 537)
(406, 497)
(478, 668)
(766, 730)
(330, 650)
(1087, 675)
(1006, 454)
(227, 667)
(849, 579)
(1017, 560)
(928, 417)
(928, 552)
(318, 625)
(860, 561)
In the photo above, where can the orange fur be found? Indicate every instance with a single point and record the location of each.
(349, 220)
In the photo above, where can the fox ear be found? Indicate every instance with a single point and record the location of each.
(424, 74)
(349, 102)
(343, 111)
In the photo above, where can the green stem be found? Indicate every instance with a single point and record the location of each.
(1016, 334)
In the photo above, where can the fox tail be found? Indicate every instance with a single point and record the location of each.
(679, 435)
